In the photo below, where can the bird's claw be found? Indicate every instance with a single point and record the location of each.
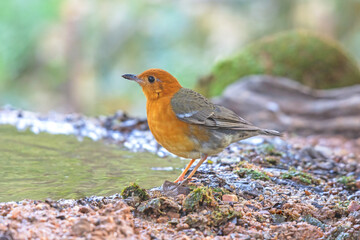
(182, 181)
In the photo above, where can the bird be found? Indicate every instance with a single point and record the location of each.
(186, 123)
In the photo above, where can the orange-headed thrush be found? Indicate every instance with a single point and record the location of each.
(186, 123)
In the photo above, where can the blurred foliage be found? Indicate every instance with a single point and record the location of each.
(310, 59)
(21, 24)
(69, 55)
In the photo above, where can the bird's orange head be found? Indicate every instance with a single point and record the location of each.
(155, 83)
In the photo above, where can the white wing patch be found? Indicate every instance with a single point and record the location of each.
(186, 115)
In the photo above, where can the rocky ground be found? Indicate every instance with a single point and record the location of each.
(290, 188)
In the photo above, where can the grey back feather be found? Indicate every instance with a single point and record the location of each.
(192, 107)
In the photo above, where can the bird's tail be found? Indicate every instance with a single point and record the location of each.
(270, 132)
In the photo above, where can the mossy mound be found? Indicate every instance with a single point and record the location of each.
(199, 197)
(303, 56)
(134, 190)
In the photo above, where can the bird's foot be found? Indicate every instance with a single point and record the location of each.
(179, 179)
(182, 181)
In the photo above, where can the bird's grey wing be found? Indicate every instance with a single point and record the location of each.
(225, 118)
(191, 107)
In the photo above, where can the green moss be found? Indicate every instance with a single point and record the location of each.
(348, 181)
(269, 149)
(242, 163)
(343, 204)
(219, 192)
(272, 160)
(198, 197)
(305, 57)
(254, 174)
(223, 215)
(302, 177)
(134, 190)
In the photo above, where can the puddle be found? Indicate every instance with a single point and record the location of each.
(59, 166)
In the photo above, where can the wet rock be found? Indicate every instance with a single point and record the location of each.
(248, 189)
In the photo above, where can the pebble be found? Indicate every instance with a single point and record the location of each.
(353, 206)
(357, 184)
(84, 210)
(162, 219)
(80, 227)
(230, 198)
(307, 193)
(182, 226)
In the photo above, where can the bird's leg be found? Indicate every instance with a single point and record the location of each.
(181, 177)
(203, 158)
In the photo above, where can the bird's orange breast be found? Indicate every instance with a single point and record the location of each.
(171, 133)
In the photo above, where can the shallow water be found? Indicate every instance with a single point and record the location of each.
(40, 166)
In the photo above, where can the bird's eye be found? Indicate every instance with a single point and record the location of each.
(151, 79)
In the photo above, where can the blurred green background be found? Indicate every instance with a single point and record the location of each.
(69, 55)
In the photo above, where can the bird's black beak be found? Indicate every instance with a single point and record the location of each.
(131, 77)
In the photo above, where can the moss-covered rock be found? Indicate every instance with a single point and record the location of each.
(314, 221)
(303, 56)
(348, 181)
(223, 215)
(159, 206)
(254, 174)
(301, 177)
(199, 197)
(134, 190)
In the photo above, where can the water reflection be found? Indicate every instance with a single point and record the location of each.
(59, 166)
